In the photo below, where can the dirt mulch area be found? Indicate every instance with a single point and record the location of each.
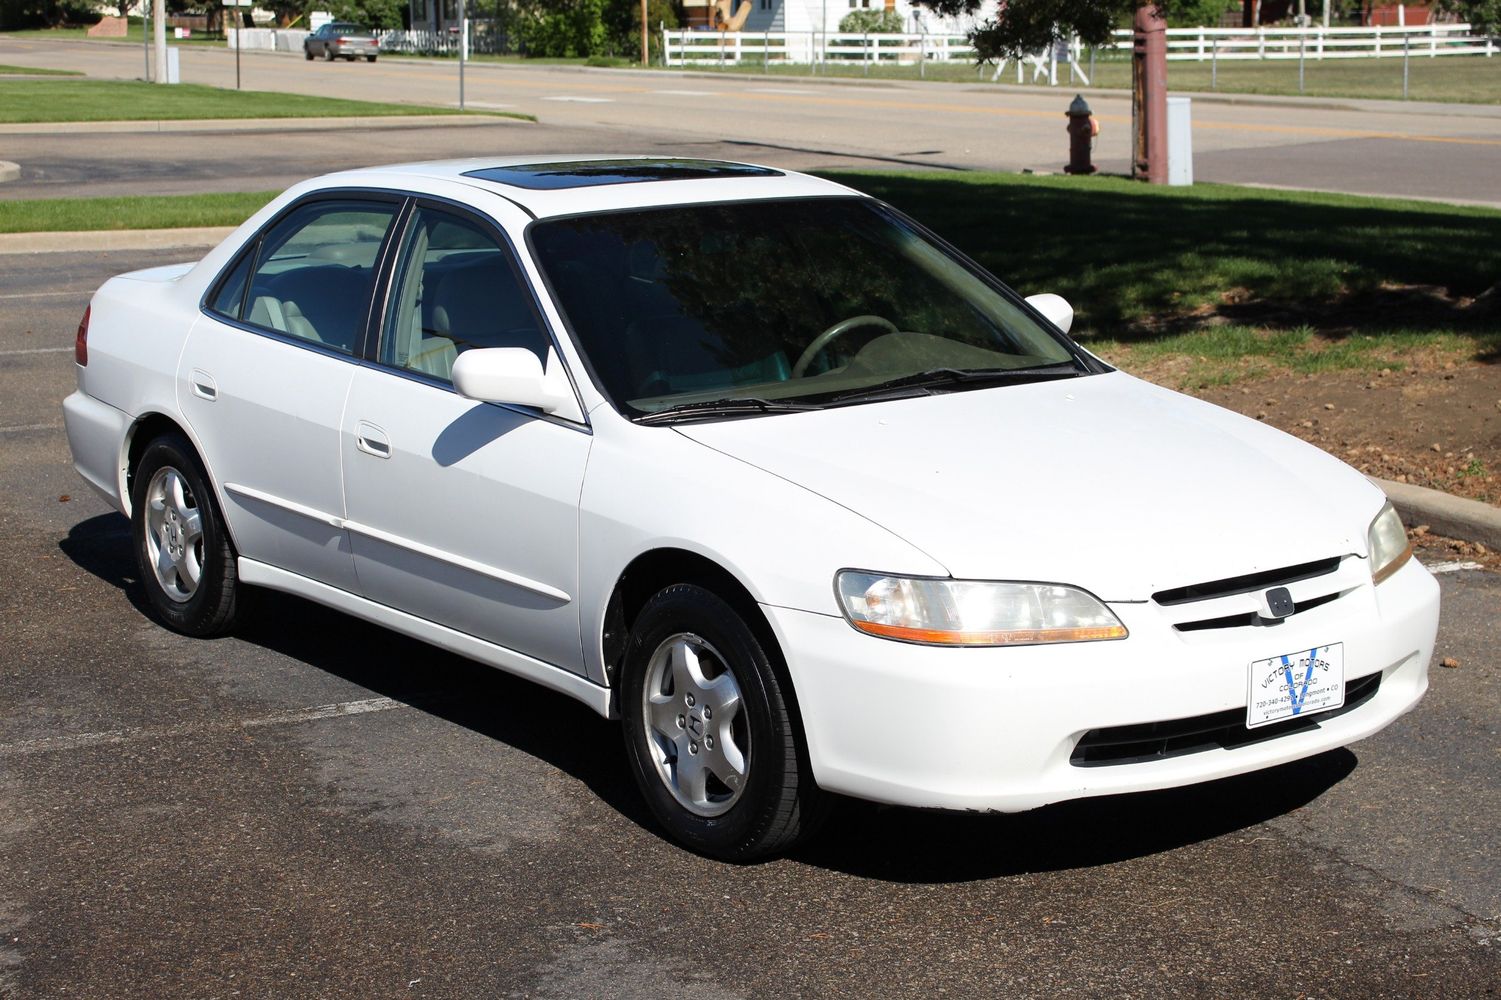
(1436, 426)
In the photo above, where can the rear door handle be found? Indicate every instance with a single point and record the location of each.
(204, 386)
(371, 439)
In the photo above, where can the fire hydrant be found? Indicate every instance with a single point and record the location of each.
(1082, 129)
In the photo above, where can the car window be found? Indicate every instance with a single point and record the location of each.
(312, 274)
(804, 300)
(456, 289)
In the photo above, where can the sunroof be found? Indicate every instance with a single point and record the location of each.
(592, 173)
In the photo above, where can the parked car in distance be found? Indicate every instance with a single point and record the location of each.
(756, 464)
(342, 40)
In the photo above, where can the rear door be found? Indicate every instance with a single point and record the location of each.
(460, 512)
(266, 371)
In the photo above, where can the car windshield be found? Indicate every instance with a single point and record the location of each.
(752, 307)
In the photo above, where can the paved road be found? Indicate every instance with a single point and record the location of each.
(1359, 146)
(319, 808)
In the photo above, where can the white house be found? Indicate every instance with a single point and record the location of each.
(825, 15)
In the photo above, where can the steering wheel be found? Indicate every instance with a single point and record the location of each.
(822, 340)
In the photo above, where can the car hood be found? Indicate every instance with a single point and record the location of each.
(1104, 482)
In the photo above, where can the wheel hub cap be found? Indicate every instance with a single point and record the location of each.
(174, 534)
(697, 734)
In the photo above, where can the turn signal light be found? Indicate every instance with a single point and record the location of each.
(81, 341)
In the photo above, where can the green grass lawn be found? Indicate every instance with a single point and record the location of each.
(148, 212)
(1215, 282)
(30, 71)
(1466, 79)
(133, 33)
(111, 100)
(1302, 280)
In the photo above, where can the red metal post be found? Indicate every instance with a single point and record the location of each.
(1149, 96)
(1081, 132)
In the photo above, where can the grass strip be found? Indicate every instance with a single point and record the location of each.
(1195, 287)
(1239, 280)
(34, 71)
(1136, 258)
(1448, 79)
(147, 212)
(31, 101)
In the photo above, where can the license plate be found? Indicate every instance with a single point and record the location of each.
(1296, 684)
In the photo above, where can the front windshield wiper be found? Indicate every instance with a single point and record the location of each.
(729, 407)
(924, 382)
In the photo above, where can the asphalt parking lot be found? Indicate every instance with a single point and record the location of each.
(317, 807)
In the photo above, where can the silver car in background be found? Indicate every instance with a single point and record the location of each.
(342, 40)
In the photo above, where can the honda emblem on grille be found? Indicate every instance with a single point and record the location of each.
(1277, 603)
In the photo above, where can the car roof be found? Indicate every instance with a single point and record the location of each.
(552, 185)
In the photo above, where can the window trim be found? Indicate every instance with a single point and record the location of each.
(253, 246)
(370, 346)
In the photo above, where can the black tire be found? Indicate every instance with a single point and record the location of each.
(328, 53)
(370, 58)
(778, 802)
(212, 606)
(307, 50)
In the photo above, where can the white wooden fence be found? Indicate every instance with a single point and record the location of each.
(1379, 42)
(775, 48)
(779, 48)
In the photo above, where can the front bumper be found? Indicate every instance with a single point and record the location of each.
(993, 729)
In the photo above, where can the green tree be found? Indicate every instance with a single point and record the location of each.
(623, 26)
(1033, 25)
(1199, 13)
(1484, 15)
(376, 14)
(875, 22)
(567, 28)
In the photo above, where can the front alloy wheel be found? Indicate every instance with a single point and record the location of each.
(699, 739)
(711, 728)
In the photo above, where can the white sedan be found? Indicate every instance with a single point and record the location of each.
(756, 464)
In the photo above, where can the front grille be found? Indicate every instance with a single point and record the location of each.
(1246, 584)
(1225, 730)
(1251, 617)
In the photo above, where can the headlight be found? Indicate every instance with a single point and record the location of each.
(972, 612)
(1388, 541)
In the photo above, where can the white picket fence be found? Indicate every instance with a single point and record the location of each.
(1377, 42)
(780, 48)
(811, 48)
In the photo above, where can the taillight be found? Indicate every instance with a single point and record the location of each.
(81, 342)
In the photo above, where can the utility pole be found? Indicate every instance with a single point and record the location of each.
(1149, 95)
(159, 34)
(644, 50)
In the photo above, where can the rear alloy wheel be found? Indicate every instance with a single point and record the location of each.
(709, 729)
(328, 53)
(186, 561)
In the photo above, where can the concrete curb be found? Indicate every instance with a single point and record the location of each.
(1450, 516)
(262, 124)
(112, 239)
(9, 171)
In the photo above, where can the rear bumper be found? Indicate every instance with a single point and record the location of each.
(994, 729)
(96, 436)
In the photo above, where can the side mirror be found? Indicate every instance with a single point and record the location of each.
(1055, 308)
(511, 375)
